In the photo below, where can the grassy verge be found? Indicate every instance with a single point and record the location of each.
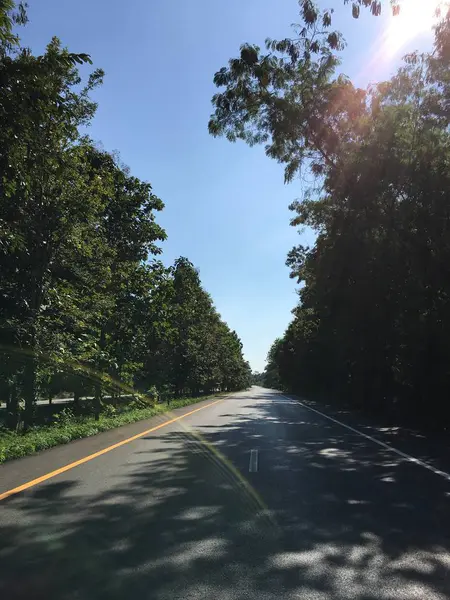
(16, 445)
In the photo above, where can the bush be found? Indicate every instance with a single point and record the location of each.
(108, 410)
(65, 416)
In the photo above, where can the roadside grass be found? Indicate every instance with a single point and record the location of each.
(16, 445)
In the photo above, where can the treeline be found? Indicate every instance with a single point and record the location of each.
(372, 327)
(257, 378)
(85, 305)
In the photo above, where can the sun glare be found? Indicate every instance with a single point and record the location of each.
(416, 17)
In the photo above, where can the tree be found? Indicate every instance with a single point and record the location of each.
(310, 12)
(11, 14)
(371, 326)
(127, 230)
(258, 378)
(190, 349)
(45, 199)
(288, 98)
(85, 306)
(271, 372)
(378, 268)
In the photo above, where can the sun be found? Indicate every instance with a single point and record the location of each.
(416, 17)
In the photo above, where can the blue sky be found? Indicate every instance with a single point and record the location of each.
(226, 204)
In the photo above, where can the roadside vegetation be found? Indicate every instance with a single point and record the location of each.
(372, 326)
(67, 426)
(87, 307)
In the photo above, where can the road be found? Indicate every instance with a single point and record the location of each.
(253, 497)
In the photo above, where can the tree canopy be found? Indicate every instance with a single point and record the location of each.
(371, 326)
(86, 306)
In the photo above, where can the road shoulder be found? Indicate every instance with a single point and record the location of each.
(17, 472)
(432, 448)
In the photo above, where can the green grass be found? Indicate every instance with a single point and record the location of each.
(17, 445)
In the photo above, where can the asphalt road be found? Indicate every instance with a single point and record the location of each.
(254, 498)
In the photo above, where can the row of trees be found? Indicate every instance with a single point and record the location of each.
(85, 305)
(373, 323)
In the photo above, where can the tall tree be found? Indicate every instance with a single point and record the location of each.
(372, 322)
(84, 304)
(128, 230)
(45, 199)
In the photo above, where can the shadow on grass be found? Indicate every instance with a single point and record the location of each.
(346, 520)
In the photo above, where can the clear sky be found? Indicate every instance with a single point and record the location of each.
(226, 204)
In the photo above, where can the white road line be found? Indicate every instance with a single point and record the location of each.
(408, 457)
(253, 465)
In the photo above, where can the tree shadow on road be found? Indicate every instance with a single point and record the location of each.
(344, 520)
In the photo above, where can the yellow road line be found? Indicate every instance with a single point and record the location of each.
(86, 459)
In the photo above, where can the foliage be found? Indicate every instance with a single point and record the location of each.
(11, 15)
(86, 307)
(310, 12)
(68, 428)
(257, 378)
(193, 350)
(372, 326)
(271, 376)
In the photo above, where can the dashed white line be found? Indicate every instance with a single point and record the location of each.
(408, 457)
(253, 465)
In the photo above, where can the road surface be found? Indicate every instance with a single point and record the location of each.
(252, 497)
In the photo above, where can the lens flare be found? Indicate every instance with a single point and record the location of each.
(416, 17)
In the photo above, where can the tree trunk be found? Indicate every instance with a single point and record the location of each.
(76, 401)
(97, 401)
(12, 409)
(31, 363)
(98, 385)
(29, 389)
(8, 395)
